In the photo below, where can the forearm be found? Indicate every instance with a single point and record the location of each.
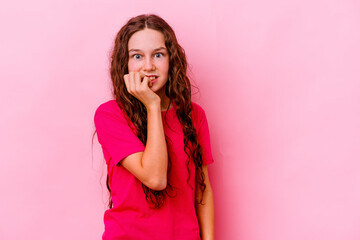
(155, 157)
(205, 213)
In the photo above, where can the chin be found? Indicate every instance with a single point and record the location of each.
(157, 90)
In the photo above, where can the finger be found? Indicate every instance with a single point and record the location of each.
(145, 83)
(142, 75)
(150, 83)
(137, 80)
(131, 82)
(126, 80)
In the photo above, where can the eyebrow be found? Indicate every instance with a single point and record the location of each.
(155, 50)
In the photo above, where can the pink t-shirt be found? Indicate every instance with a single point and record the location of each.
(131, 217)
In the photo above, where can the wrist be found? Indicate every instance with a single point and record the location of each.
(156, 106)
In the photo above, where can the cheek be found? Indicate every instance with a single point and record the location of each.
(133, 66)
(164, 66)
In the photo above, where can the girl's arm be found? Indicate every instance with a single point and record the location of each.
(205, 212)
(150, 166)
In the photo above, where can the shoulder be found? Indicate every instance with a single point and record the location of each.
(108, 106)
(197, 110)
(109, 109)
(198, 115)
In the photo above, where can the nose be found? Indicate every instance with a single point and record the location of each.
(148, 64)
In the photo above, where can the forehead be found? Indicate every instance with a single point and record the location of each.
(146, 39)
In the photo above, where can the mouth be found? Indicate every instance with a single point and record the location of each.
(153, 78)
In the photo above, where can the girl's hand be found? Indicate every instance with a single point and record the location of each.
(138, 85)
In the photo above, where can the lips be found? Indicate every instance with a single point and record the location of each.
(153, 78)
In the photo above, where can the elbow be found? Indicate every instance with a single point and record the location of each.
(157, 184)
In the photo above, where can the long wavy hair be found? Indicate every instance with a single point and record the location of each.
(177, 89)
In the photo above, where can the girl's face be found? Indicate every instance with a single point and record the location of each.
(148, 55)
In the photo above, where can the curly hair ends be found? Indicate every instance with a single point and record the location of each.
(177, 88)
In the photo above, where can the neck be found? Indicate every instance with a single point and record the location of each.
(165, 101)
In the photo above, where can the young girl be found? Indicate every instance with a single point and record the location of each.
(155, 140)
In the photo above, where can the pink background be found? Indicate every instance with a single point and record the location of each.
(279, 81)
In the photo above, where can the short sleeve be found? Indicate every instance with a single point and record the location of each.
(114, 134)
(203, 134)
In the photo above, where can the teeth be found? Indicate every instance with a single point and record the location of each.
(152, 78)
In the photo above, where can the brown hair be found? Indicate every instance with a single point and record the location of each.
(177, 88)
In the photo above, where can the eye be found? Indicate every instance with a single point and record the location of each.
(136, 56)
(158, 55)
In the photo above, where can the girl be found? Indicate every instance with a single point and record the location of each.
(155, 140)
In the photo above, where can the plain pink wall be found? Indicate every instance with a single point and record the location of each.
(279, 82)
